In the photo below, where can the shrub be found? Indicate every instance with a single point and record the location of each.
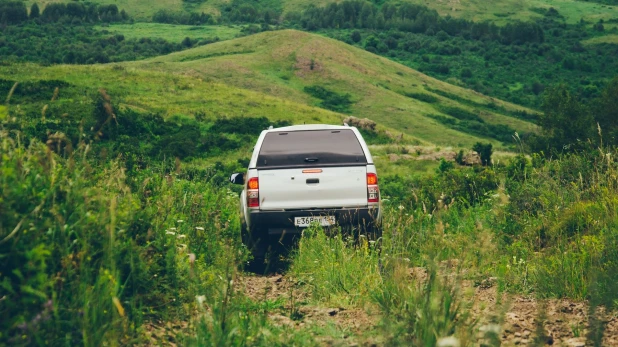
(423, 97)
(484, 150)
(330, 100)
(86, 258)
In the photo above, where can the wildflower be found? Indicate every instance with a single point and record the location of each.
(199, 228)
(181, 236)
(490, 328)
(170, 233)
(449, 341)
(200, 299)
(401, 207)
(180, 221)
(172, 228)
(191, 258)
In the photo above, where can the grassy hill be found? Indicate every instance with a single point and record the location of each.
(284, 63)
(504, 10)
(266, 75)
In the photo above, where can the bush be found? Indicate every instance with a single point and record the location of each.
(423, 97)
(87, 259)
(484, 150)
(330, 100)
(246, 125)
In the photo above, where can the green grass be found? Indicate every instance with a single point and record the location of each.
(503, 11)
(170, 94)
(172, 32)
(155, 247)
(611, 38)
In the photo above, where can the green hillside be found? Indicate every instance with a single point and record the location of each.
(505, 10)
(284, 63)
(267, 75)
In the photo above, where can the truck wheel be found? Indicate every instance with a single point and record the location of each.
(258, 249)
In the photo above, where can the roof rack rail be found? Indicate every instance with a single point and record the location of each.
(346, 124)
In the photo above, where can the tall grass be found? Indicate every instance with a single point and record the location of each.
(88, 258)
(93, 251)
(548, 229)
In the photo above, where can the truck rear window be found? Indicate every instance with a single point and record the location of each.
(311, 148)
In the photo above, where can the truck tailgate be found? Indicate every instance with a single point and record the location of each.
(328, 187)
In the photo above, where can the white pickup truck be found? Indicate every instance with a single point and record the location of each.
(305, 174)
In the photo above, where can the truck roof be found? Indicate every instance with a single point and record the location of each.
(310, 127)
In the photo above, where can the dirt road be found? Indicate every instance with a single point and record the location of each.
(514, 318)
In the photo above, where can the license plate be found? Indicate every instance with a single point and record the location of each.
(321, 220)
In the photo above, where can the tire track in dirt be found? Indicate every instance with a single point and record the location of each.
(298, 313)
(516, 318)
(565, 322)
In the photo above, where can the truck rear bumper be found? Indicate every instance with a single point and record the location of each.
(265, 223)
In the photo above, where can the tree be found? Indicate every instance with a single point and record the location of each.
(485, 151)
(606, 112)
(356, 36)
(565, 120)
(35, 12)
(187, 42)
(13, 12)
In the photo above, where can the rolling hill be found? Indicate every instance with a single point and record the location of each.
(284, 63)
(267, 75)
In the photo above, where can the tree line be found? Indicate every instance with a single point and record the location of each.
(15, 12)
(56, 43)
(570, 124)
(351, 14)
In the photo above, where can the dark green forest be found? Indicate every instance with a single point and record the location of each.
(65, 34)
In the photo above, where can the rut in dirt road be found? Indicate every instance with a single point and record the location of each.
(565, 322)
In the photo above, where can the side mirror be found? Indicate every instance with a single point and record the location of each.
(237, 178)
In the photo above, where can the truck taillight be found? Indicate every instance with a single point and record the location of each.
(373, 192)
(253, 192)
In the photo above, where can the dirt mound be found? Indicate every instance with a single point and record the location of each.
(364, 123)
(528, 321)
